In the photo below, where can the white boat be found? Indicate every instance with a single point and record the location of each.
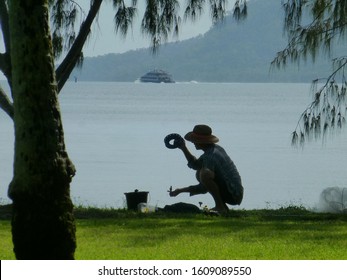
(157, 76)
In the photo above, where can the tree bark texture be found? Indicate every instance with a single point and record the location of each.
(43, 225)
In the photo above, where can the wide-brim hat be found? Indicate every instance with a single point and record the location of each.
(201, 134)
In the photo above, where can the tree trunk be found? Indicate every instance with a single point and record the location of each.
(43, 224)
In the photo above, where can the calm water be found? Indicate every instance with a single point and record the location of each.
(114, 134)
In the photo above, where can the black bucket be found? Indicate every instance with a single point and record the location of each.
(134, 198)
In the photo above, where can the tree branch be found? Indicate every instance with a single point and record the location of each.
(5, 62)
(5, 103)
(5, 66)
(4, 24)
(2, 62)
(65, 68)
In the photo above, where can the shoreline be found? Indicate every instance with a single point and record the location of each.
(293, 212)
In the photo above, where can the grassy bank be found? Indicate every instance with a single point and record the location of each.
(288, 233)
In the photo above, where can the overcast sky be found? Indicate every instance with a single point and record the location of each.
(104, 39)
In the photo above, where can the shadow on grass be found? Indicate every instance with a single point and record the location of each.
(286, 233)
(147, 230)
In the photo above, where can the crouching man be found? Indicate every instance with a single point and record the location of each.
(216, 172)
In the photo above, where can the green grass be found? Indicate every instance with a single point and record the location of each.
(290, 233)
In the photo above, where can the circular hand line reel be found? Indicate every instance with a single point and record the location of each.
(173, 141)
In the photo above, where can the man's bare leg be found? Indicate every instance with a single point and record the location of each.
(207, 179)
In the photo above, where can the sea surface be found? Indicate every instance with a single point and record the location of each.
(114, 134)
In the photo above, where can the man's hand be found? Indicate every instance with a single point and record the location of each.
(180, 143)
(174, 193)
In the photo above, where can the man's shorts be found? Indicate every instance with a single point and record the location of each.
(232, 198)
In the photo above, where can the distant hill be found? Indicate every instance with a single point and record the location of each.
(228, 52)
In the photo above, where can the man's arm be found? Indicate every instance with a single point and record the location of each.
(182, 146)
(178, 191)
